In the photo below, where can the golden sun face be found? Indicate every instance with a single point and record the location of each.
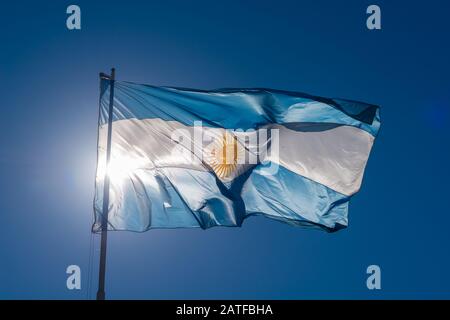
(223, 156)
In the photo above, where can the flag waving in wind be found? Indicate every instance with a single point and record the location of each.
(195, 158)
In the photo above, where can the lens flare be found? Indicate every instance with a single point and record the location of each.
(121, 166)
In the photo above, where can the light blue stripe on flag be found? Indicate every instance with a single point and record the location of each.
(235, 108)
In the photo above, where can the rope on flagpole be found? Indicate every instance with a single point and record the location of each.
(90, 265)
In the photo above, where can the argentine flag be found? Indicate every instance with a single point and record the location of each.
(194, 158)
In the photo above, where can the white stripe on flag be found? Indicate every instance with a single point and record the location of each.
(335, 157)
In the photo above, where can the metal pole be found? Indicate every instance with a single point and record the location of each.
(104, 234)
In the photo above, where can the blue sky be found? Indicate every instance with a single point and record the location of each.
(48, 132)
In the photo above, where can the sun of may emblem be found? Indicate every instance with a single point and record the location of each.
(223, 155)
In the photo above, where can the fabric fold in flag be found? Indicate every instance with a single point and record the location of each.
(195, 158)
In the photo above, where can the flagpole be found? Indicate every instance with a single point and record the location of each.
(104, 226)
